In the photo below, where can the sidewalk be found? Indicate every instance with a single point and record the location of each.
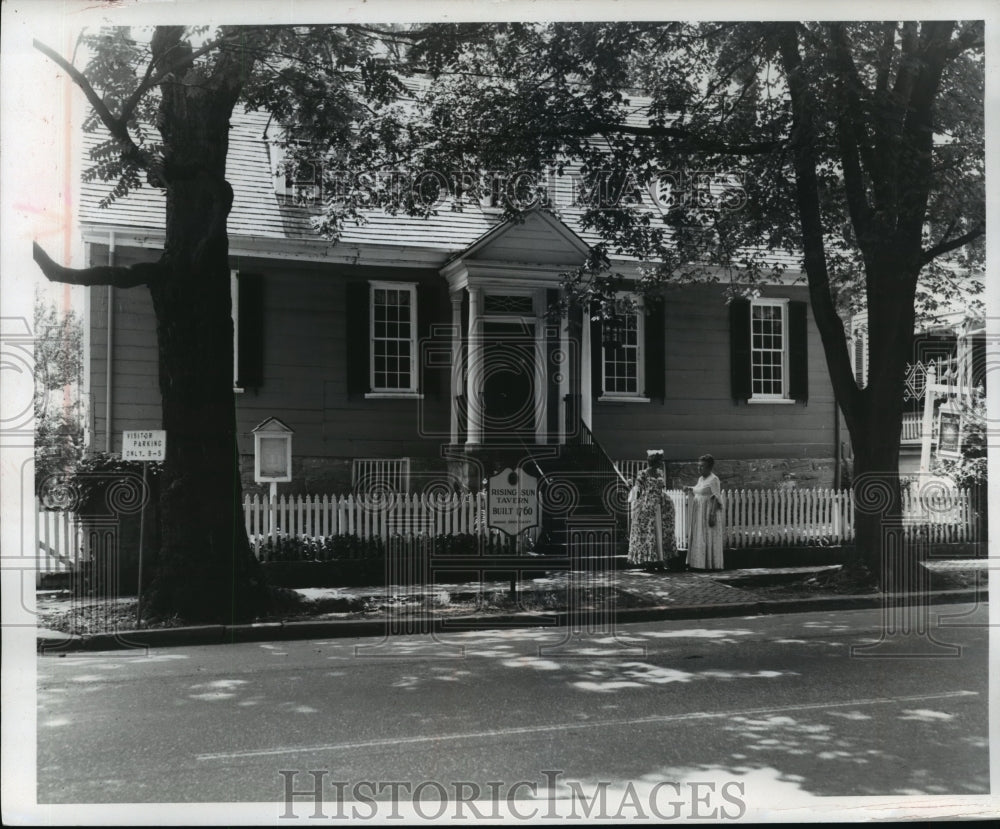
(630, 595)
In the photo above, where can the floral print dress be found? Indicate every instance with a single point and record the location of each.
(651, 535)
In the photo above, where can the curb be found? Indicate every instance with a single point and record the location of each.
(357, 628)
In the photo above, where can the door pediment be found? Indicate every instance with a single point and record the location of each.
(532, 251)
(540, 238)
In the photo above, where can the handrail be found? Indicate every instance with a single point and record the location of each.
(589, 439)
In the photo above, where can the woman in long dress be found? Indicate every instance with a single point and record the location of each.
(705, 529)
(651, 536)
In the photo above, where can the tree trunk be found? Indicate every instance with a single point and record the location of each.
(205, 570)
(875, 424)
(877, 501)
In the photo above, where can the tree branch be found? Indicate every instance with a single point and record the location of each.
(970, 37)
(913, 173)
(828, 321)
(854, 117)
(116, 126)
(944, 246)
(884, 60)
(142, 273)
(696, 141)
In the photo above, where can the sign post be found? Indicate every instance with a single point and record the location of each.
(512, 505)
(144, 446)
(272, 453)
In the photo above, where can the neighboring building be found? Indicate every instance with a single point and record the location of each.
(953, 340)
(412, 345)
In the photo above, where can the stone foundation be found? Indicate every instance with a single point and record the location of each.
(760, 473)
(332, 476)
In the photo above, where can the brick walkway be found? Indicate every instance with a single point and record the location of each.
(664, 589)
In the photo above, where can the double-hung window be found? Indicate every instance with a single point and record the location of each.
(621, 354)
(393, 324)
(769, 349)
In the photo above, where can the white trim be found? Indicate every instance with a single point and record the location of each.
(473, 387)
(393, 395)
(755, 401)
(455, 380)
(411, 287)
(507, 276)
(275, 247)
(541, 370)
(85, 386)
(781, 302)
(622, 398)
(442, 257)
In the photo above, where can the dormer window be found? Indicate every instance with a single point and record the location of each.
(296, 182)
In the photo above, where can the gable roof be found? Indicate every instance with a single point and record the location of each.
(264, 223)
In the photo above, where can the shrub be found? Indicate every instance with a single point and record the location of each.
(284, 547)
(106, 491)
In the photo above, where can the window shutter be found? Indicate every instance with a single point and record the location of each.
(654, 348)
(739, 349)
(798, 353)
(358, 342)
(250, 359)
(432, 357)
(596, 358)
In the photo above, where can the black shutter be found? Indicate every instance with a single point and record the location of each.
(433, 357)
(739, 349)
(250, 360)
(654, 346)
(596, 359)
(358, 343)
(798, 352)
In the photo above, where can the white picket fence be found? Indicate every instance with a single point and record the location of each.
(365, 516)
(787, 517)
(59, 541)
(913, 423)
(751, 518)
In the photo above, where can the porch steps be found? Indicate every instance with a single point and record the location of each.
(583, 508)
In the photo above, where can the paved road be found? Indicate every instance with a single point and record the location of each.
(776, 704)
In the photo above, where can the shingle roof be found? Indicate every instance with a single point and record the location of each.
(262, 216)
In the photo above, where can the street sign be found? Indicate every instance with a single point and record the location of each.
(144, 445)
(512, 501)
(949, 432)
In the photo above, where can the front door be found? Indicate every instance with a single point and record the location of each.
(508, 382)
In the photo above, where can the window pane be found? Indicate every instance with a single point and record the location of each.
(767, 344)
(621, 359)
(392, 338)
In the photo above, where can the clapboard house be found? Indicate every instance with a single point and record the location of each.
(415, 345)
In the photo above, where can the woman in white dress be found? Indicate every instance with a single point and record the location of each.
(705, 529)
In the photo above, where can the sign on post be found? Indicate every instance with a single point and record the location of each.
(512, 501)
(949, 432)
(144, 445)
